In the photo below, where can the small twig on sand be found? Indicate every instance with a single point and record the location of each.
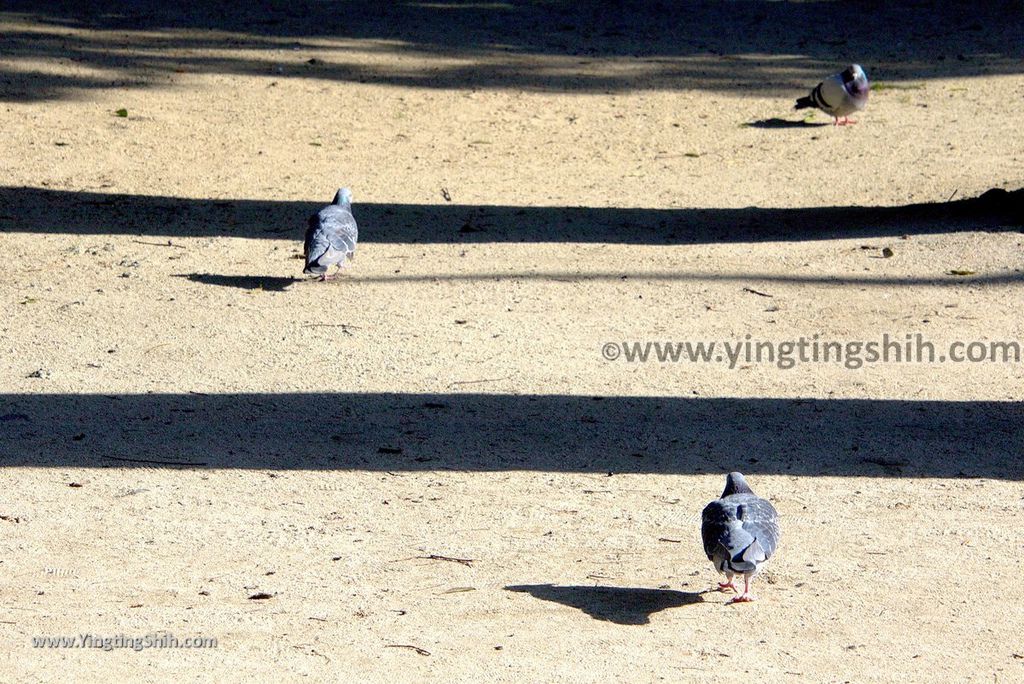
(464, 561)
(753, 291)
(147, 460)
(421, 651)
(159, 244)
(312, 651)
(953, 195)
(474, 382)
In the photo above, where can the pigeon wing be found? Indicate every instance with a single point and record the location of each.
(830, 96)
(714, 526)
(761, 521)
(316, 246)
(339, 227)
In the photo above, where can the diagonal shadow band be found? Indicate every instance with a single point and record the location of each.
(35, 210)
(512, 432)
(621, 605)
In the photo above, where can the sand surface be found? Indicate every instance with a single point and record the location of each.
(532, 182)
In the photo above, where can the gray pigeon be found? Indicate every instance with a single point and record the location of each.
(331, 236)
(839, 95)
(740, 532)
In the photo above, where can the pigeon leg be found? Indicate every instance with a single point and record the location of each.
(846, 121)
(746, 596)
(722, 586)
(333, 276)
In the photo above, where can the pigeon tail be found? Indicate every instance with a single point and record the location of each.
(754, 553)
(804, 103)
(739, 561)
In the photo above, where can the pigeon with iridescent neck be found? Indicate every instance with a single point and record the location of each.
(839, 95)
(740, 531)
(331, 236)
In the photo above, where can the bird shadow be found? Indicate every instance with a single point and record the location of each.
(244, 282)
(776, 122)
(621, 605)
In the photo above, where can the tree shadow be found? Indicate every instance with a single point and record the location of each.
(621, 605)
(563, 46)
(39, 210)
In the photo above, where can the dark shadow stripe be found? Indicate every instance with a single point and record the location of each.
(35, 210)
(502, 432)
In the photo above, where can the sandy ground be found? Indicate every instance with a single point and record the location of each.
(447, 397)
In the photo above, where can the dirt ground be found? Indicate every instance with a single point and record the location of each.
(427, 468)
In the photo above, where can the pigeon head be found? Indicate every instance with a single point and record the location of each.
(735, 484)
(854, 72)
(855, 80)
(343, 196)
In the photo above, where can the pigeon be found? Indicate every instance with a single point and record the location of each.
(839, 95)
(740, 532)
(331, 236)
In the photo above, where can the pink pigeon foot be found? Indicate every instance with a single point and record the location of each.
(746, 596)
